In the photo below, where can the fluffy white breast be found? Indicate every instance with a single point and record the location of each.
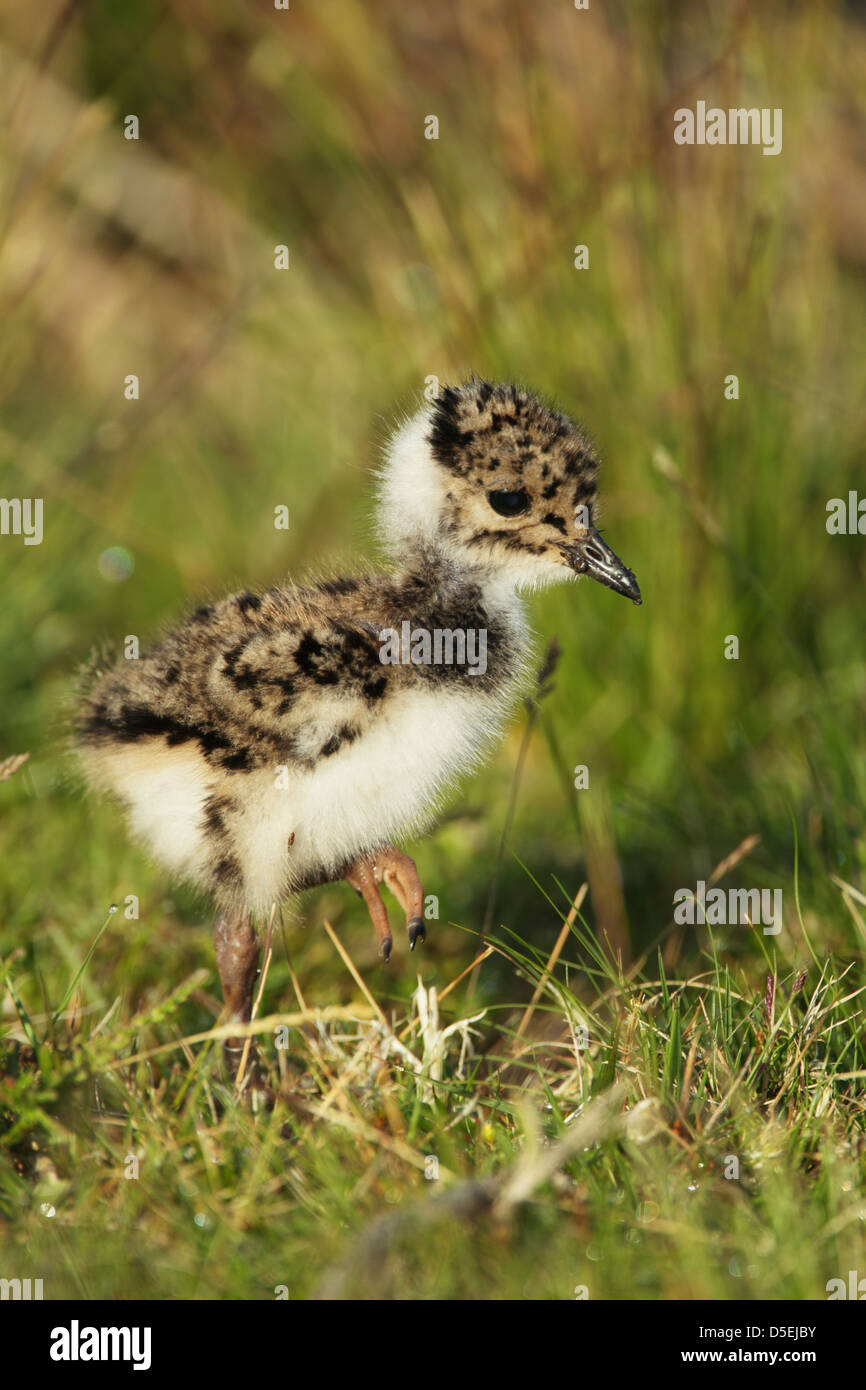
(385, 786)
(164, 790)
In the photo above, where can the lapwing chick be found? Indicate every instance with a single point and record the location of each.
(283, 739)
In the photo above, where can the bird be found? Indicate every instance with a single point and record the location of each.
(284, 738)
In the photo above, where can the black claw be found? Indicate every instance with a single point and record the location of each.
(416, 932)
(385, 950)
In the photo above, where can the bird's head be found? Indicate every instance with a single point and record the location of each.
(497, 480)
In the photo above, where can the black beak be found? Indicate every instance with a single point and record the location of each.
(592, 556)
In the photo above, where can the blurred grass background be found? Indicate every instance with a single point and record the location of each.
(412, 258)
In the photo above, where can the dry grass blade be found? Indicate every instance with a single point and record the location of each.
(537, 1166)
(353, 971)
(10, 765)
(331, 1013)
(552, 959)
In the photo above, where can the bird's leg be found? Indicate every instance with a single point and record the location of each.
(237, 953)
(361, 877)
(398, 872)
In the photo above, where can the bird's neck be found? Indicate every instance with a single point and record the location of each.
(446, 582)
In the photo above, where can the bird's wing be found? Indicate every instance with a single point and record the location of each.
(298, 676)
(287, 677)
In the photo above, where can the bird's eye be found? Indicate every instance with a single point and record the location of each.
(508, 503)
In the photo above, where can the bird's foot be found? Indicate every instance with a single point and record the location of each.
(398, 872)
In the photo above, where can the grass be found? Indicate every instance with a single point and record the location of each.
(412, 258)
(654, 1135)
